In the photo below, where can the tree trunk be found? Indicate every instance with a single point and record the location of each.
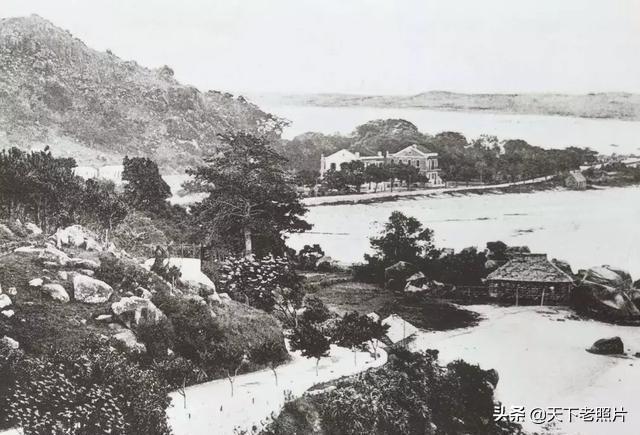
(248, 247)
(317, 362)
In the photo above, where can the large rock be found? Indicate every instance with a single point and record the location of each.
(608, 346)
(32, 229)
(128, 338)
(395, 276)
(606, 292)
(10, 342)
(78, 237)
(90, 290)
(5, 232)
(5, 301)
(609, 276)
(83, 263)
(135, 311)
(55, 292)
(53, 255)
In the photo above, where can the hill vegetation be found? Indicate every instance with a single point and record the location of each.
(96, 107)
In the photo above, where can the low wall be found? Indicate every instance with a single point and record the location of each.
(511, 294)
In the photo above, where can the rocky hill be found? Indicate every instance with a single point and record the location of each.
(56, 91)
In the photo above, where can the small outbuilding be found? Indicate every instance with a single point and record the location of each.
(530, 278)
(575, 180)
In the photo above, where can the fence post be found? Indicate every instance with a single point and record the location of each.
(517, 295)
(542, 298)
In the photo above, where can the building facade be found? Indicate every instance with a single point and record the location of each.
(415, 155)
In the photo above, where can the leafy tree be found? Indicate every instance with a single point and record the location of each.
(106, 204)
(307, 177)
(315, 311)
(353, 173)
(250, 195)
(355, 330)
(466, 267)
(144, 187)
(403, 239)
(308, 256)
(377, 174)
(310, 340)
(335, 180)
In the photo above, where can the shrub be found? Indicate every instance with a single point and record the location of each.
(127, 275)
(269, 284)
(308, 256)
(315, 310)
(88, 389)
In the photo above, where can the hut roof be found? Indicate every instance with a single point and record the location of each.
(399, 329)
(529, 268)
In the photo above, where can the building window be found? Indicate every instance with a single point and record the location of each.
(417, 163)
(332, 166)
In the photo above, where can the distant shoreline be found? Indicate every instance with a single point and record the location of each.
(605, 106)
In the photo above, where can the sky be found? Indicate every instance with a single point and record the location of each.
(365, 46)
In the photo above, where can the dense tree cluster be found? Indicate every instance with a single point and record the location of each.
(39, 187)
(251, 199)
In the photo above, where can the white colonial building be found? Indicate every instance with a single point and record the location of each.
(415, 155)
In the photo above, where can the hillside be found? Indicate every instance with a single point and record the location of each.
(96, 107)
(623, 106)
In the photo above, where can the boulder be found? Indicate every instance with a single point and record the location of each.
(8, 313)
(12, 291)
(604, 302)
(32, 229)
(411, 288)
(36, 282)
(28, 251)
(77, 236)
(104, 318)
(5, 301)
(10, 342)
(53, 255)
(90, 290)
(214, 298)
(395, 276)
(83, 263)
(608, 346)
(609, 276)
(128, 338)
(134, 311)
(63, 275)
(55, 292)
(87, 272)
(5, 232)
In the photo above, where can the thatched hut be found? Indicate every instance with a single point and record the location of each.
(530, 278)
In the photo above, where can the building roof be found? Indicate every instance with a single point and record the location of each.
(529, 268)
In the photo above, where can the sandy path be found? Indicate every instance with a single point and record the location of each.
(540, 356)
(211, 410)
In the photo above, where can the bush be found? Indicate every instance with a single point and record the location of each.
(127, 275)
(315, 310)
(88, 389)
(308, 256)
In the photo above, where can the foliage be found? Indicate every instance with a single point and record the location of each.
(144, 188)
(310, 340)
(466, 267)
(83, 390)
(353, 331)
(101, 197)
(307, 177)
(251, 197)
(308, 256)
(411, 394)
(269, 283)
(127, 275)
(403, 239)
(315, 311)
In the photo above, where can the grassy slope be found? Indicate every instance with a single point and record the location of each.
(422, 312)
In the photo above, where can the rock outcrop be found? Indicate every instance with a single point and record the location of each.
(134, 311)
(55, 292)
(130, 341)
(608, 346)
(606, 293)
(90, 290)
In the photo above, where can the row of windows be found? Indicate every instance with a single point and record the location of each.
(431, 164)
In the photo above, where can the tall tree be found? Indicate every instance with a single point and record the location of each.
(251, 196)
(310, 341)
(144, 187)
(403, 239)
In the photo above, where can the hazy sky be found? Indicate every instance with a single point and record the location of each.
(366, 46)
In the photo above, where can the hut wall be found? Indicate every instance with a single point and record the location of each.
(531, 292)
